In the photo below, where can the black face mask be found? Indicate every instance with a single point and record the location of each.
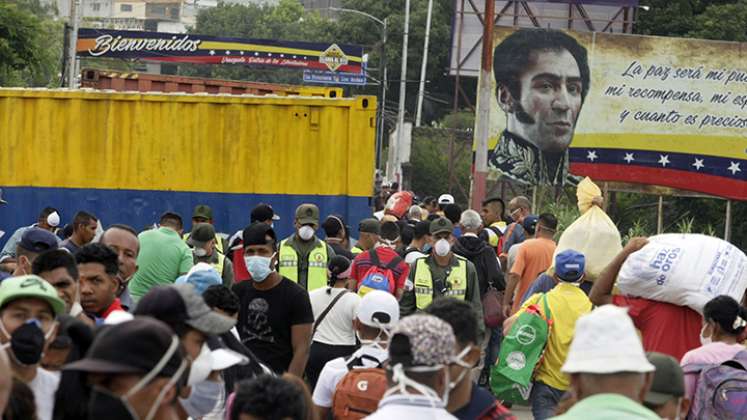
(105, 405)
(27, 343)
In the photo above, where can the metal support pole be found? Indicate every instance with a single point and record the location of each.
(660, 216)
(402, 94)
(727, 222)
(71, 63)
(482, 131)
(421, 88)
(382, 96)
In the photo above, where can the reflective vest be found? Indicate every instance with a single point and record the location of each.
(317, 273)
(356, 250)
(456, 282)
(219, 265)
(218, 241)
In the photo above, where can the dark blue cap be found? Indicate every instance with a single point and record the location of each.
(570, 265)
(38, 240)
(530, 224)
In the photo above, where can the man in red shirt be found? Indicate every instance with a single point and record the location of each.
(385, 251)
(666, 328)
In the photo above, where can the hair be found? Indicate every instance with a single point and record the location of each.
(471, 220)
(333, 225)
(221, 297)
(389, 231)
(171, 220)
(83, 218)
(415, 213)
(269, 397)
(408, 233)
(459, 315)
(549, 222)
(724, 311)
(308, 402)
(522, 202)
(45, 213)
(127, 228)
(99, 253)
(21, 403)
(23, 252)
(430, 201)
(54, 259)
(452, 212)
(492, 203)
(517, 51)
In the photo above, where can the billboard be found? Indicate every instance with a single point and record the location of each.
(647, 110)
(578, 15)
(191, 48)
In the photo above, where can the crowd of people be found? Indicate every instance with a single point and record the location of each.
(403, 317)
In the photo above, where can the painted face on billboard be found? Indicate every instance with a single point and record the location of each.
(546, 111)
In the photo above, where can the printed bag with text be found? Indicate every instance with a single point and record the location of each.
(359, 391)
(521, 353)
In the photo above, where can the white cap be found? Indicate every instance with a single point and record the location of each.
(379, 306)
(53, 219)
(446, 199)
(604, 342)
(225, 358)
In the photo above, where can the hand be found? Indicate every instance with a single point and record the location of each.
(635, 244)
(506, 310)
(598, 201)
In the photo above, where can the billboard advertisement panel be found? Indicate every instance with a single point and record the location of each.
(191, 48)
(615, 107)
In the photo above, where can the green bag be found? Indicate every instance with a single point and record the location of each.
(521, 352)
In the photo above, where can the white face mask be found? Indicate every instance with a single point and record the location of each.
(306, 232)
(459, 360)
(203, 398)
(704, 340)
(442, 247)
(402, 382)
(200, 252)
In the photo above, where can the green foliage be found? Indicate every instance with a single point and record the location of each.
(30, 45)
(430, 162)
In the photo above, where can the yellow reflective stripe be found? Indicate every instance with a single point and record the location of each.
(219, 265)
(288, 262)
(457, 282)
(317, 273)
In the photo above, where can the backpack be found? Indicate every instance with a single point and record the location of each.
(379, 277)
(722, 389)
(521, 353)
(358, 393)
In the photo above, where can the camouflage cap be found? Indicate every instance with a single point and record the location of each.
(422, 340)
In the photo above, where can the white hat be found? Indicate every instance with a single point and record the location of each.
(605, 341)
(446, 199)
(378, 309)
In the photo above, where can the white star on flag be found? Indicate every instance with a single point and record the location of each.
(664, 160)
(592, 155)
(629, 157)
(228, 52)
(734, 168)
(256, 53)
(241, 52)
(698, 164)
(212, 52)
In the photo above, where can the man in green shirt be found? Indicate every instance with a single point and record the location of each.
(442, 273)
(163, 256)
(609, 372)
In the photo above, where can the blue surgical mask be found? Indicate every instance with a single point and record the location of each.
(258, 267)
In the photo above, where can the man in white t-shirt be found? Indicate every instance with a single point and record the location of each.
(29, 307)
(378, 312)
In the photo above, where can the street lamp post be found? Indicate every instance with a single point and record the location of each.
(382, 77)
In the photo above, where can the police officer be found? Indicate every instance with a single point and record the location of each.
(204, 214)
(204, 242)
(304, 257)
(442, 273)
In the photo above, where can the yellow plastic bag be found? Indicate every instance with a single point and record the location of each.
(593, 234)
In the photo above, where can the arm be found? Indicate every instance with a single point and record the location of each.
(508, 296)
(401, 280)
(187, 261)
(227, 273)
(300, 340)
(407, 303)
(601, 292)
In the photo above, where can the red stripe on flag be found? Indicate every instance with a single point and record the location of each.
(684, 180)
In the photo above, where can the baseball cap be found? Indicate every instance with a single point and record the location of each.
(223, 357)
(370, 225)
(263, 212)
(38, 240)
(446, 199)
(307, 214)
(179, 303)
(257, 233)
(441, 225)
(201, 276)
(421, 340)
(378, 309)
(204, 211)
(605, 342)
(332, 225)
(135, 346)
(570, 265)
(201, 234)
(30, 286)
(530, 224)
(668, 382)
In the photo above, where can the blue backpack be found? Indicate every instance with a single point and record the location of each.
(722, 389)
